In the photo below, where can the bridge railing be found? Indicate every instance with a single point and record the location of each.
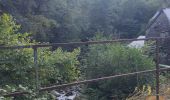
(157, 69)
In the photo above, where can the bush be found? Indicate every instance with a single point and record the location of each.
(113, 59)
(17, 70)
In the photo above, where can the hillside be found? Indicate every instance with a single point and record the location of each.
(79, 20)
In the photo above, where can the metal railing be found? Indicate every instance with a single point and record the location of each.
(157, 70)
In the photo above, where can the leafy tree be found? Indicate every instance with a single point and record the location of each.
(17, 70)
(113, 59)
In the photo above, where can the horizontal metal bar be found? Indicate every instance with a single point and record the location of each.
(98, 79)
(78, 43)
(85, 82)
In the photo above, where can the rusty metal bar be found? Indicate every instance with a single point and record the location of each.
(157, 69)
(36, 67)
(99, 79)
(86, 81)
(77, 43)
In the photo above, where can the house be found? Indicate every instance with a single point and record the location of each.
(159, 26)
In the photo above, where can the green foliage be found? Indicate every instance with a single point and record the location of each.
(17, 70)
(58, 66)
(79, 19)
(73, 20)
(39, 25)
(7, 32)
(113, 59)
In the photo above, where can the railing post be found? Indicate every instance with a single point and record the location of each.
(36, 67)
(157, 69)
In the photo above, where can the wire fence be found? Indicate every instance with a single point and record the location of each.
(157, 69)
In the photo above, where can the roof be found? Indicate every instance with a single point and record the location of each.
(157, 14)
(167, 12)
(137, 44)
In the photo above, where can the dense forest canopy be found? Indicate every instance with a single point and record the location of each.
(79, 20)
